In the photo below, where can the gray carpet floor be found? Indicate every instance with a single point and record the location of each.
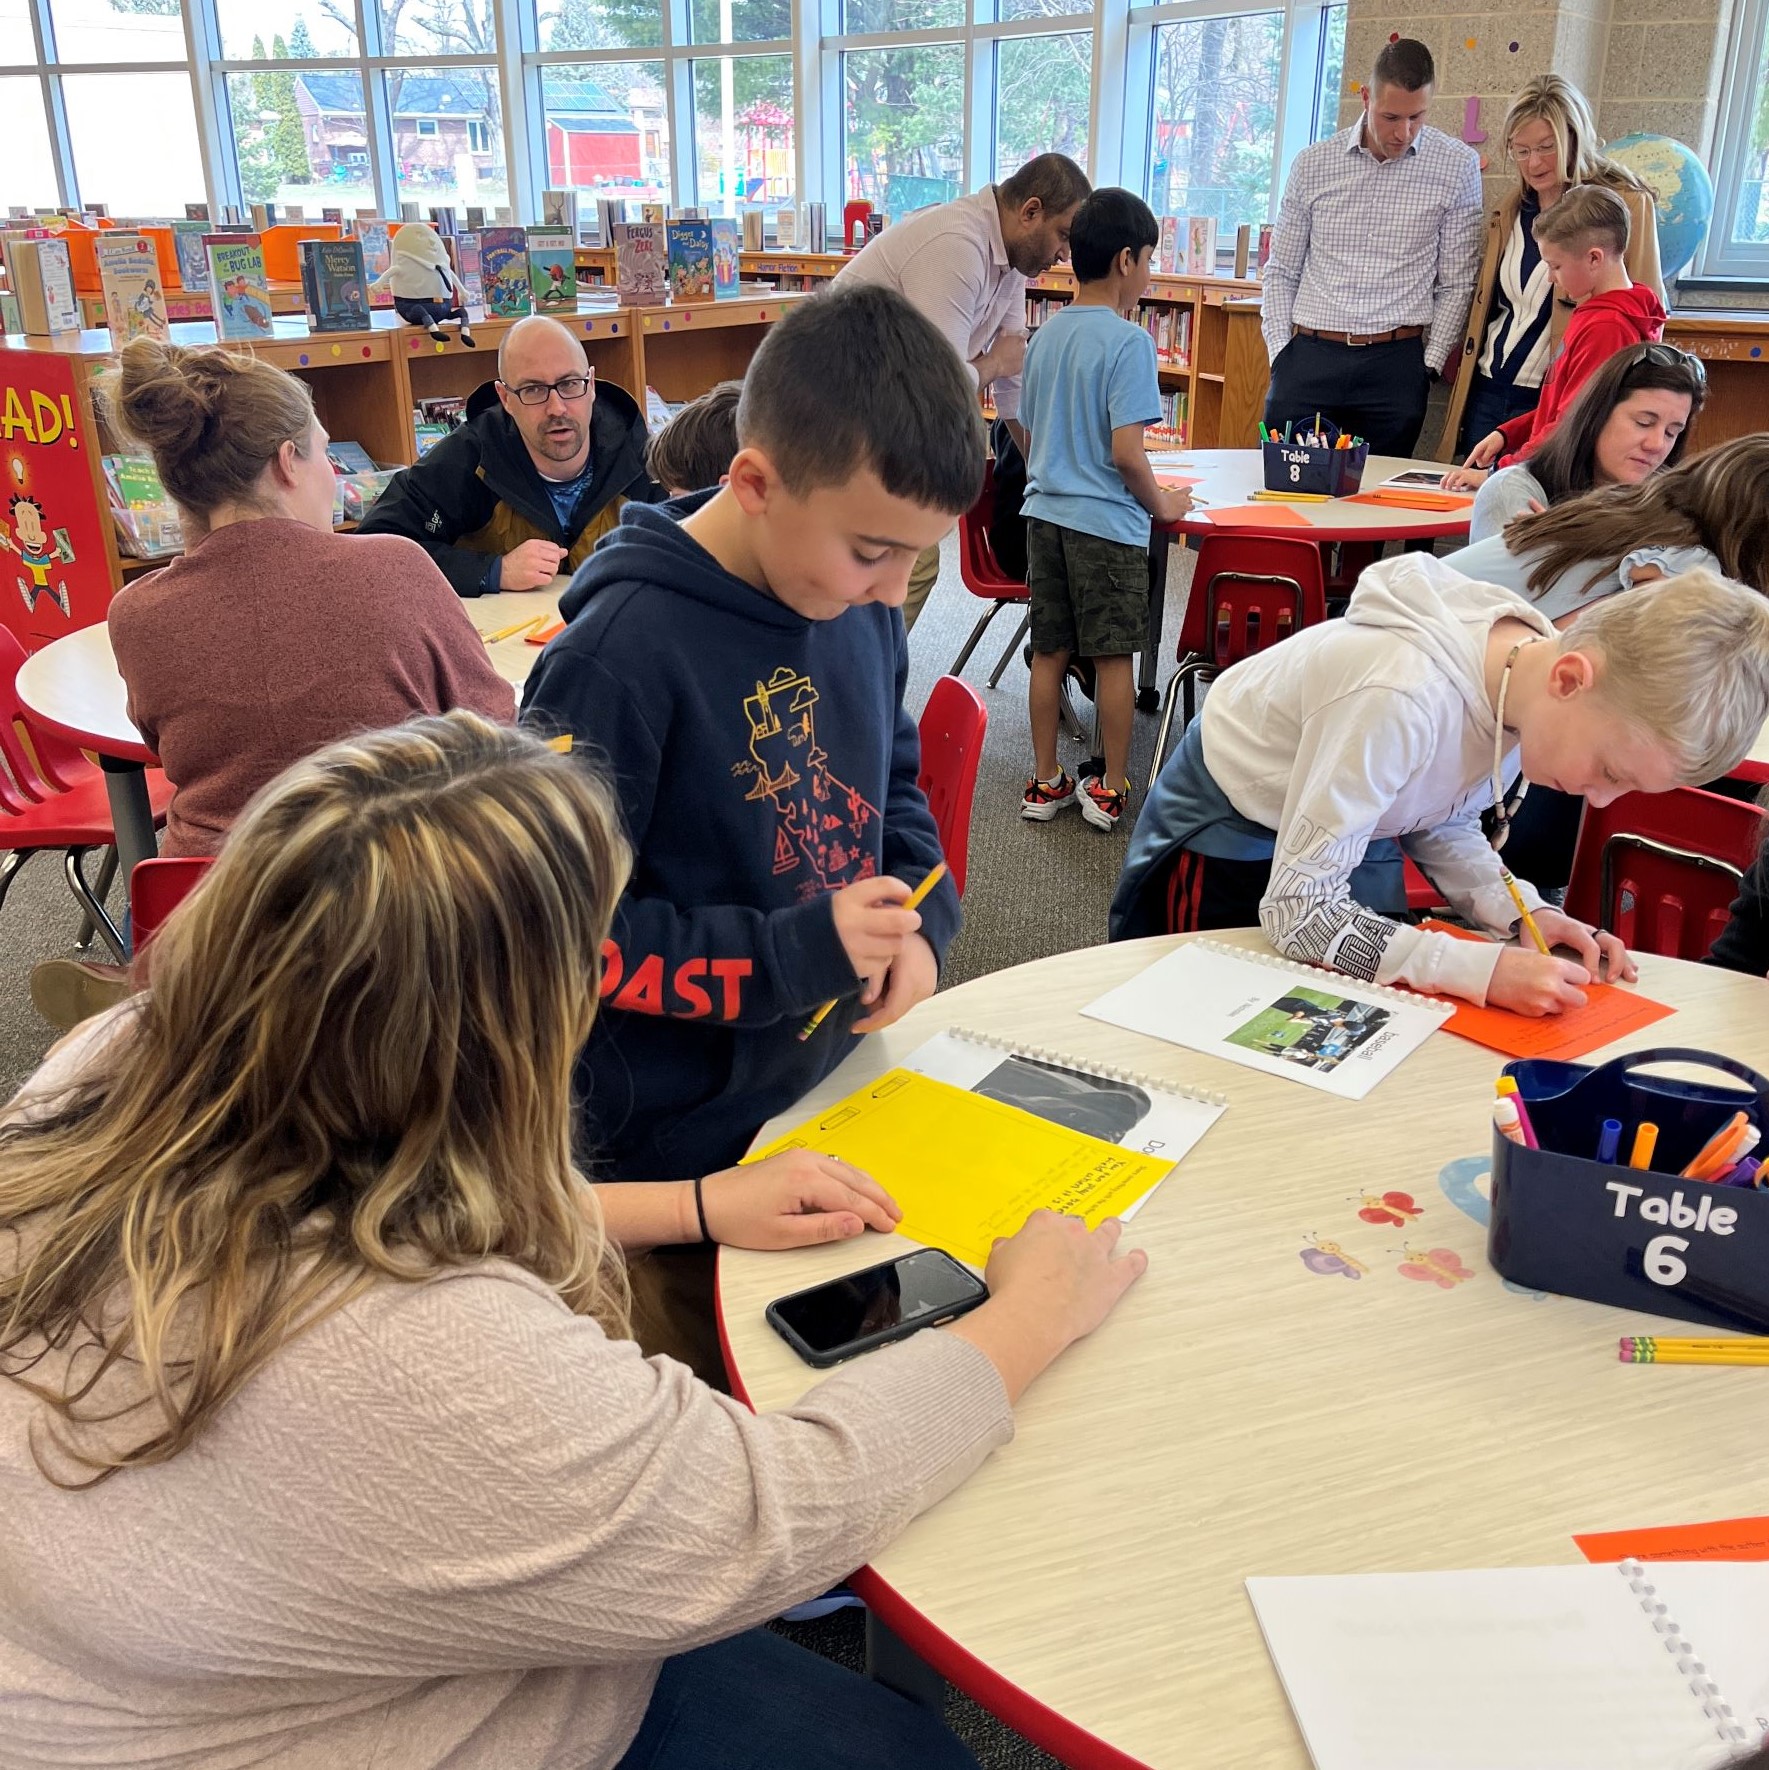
(1032, 890)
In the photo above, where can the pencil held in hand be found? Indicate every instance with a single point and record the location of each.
(913, 901)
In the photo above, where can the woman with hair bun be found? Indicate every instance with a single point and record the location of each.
(271, 636)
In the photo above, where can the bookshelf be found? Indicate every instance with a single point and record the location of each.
(364, 384)
(791, 273)
(1188, 319)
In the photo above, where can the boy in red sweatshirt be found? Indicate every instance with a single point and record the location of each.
(1583, 238)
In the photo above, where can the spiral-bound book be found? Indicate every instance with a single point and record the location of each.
(1618, 1666)
(971, 1135)
(1309, 1025)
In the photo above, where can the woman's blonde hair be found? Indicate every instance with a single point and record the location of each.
(1713, 501)
(354, 1065)
(212, 419)
(1687, 660)
(1579, 149)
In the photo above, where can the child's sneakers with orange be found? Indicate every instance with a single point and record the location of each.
(1042, 800)
(1099, 805)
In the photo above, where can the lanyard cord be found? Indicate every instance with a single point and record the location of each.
(1502, 812)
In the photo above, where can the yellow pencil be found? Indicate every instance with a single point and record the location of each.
(913, 901)
(1711, 1355)
(527, 626)
(1529, 921)
(1293, 497)
(1657, 1342)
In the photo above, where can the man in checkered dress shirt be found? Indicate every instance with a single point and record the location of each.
(1372, 263)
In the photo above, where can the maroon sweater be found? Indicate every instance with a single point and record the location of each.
(270, 640)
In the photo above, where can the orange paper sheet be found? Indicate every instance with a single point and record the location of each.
(1725, 1539)
(1260, 516)
(1610, 1012)
(1412, 500)
(543, 634)
(1175, 482)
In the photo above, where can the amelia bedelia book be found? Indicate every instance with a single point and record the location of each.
(727, 236)
(503, 269)
(334, 286)
(239, 298)
(374, 233)
(467, 267)
(129, 277)
(691, 260)
(641, 264)
(552, 269)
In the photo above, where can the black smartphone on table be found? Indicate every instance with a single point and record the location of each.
(872, 1307)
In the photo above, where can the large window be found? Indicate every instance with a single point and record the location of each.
(1738, 239)
(367, 104)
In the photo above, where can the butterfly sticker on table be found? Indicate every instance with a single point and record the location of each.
(1438, 1266)
(1328, 1257)
(1391, 1207)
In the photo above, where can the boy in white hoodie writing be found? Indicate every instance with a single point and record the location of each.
(1317, 764)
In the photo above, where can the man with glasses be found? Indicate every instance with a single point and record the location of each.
(533, 478)
(1372, 263)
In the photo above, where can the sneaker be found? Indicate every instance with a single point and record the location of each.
(467, 338)
(67, 991)
(1042, 800)
(1101, 807)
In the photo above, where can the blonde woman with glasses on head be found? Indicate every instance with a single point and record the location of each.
(322, 1439)
(1515, 323)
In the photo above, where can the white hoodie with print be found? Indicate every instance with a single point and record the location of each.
(1377, 725)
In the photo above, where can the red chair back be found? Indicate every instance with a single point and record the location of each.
(952, 730)
(1660, 870)
(977, 564)
(1248, 593)
(23, 781)
(158, 887)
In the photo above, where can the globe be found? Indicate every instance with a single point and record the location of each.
(1681, 189)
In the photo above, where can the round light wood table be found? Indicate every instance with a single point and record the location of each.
(73, 686)
(1244, 1413)
(1229, 477)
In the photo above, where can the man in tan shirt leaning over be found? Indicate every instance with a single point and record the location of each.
(964, 265)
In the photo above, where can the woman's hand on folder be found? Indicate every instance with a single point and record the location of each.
(793, 1200)
(1050, 1285)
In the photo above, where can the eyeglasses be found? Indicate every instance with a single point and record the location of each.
(1668, 356)
(537, 393)
(1533, 153)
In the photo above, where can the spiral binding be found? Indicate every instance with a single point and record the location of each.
(1689, 1664)
(1308, 973)
(1110, 1072)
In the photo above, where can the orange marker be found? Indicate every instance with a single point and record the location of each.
(1717, 1153)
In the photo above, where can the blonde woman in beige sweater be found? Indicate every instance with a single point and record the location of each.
(322, 1444)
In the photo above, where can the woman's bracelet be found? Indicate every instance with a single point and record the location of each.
(700, 1210)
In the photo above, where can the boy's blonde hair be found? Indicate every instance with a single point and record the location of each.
(1587, 215)
(1687, 660)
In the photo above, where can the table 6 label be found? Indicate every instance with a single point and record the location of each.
(1660, 1259)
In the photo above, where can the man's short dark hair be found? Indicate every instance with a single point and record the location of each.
(694, 449)
(1054, 179)
(856, 378)
(1109, 222)
(1405, 63)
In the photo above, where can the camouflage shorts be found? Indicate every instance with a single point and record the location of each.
(1089, 596)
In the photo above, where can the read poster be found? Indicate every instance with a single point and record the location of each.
(54, 572)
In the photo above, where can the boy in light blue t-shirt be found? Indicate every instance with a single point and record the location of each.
(1091, 386)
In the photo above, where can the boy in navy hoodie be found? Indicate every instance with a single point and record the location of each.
(740, 673)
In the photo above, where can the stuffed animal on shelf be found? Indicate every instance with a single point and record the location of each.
(423, 283)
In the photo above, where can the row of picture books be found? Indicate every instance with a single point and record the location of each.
(1168, 323)
(147, 521)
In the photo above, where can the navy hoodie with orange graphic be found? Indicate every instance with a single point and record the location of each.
(761, 762)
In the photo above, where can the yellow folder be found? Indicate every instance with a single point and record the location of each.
(966, 1169)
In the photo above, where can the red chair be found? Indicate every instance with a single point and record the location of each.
(52, 797)
(1660, 870)
(953, 725)
(983, 576)
(158, 887)
(1248, 592)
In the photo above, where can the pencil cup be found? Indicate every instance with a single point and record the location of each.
(1296, 467)
(1634, 1238)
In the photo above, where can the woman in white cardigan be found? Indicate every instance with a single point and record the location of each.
(321, 1439)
